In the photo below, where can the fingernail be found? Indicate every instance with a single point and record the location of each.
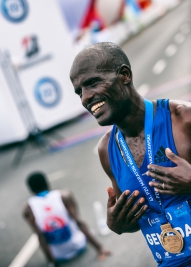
(141, 200)
(127, 192)
(145, 207)
(136, 193)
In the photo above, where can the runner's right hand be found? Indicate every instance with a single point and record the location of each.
(122, 214)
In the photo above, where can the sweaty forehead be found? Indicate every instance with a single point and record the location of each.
(90, 60)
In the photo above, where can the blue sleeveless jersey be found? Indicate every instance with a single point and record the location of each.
(162, 138)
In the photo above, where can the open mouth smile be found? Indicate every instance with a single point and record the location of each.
(95, 108)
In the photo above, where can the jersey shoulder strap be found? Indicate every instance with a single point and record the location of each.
(163, 103)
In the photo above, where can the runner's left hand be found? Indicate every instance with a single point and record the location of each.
(103, 254)
(171, 180)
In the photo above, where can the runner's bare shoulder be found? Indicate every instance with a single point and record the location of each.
(103, 144)
(103, 153)
(66, 194)
(181, 111)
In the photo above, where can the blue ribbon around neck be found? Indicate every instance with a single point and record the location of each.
(153, 200)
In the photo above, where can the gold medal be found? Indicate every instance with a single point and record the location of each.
(171, 239)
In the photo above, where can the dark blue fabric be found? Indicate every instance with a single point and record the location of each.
(58, 236)
(162, 138)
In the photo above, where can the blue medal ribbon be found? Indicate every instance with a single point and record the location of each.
(153, 200)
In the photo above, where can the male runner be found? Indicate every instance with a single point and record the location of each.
(54, 217)
(144, 133)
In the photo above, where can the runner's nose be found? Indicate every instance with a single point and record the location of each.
(87, 97)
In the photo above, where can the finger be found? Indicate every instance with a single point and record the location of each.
(173, 157)
(112, 197)
(103, 255)
(165, 192)
(135, 209)
(130, 201)
(157, 176)
(160, 186)
(139, 214)
(121, 201)
(154, 170)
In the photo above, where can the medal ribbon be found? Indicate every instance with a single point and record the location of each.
(154, 200)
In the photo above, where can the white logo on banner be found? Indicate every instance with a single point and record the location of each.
(14, 10)
(47, 92)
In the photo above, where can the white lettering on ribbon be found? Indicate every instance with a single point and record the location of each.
(135, 171)
(150, 155)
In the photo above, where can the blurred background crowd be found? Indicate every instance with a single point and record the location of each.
(42, 123)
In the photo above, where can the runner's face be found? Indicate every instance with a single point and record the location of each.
(102, 92)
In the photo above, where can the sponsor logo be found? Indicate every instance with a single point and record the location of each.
(153, 221)
(180, 213)
(167, 255)
(32, 55)
(158, 256)
(179, 254)
(14, 10)
(160, 156)
(47, 92)
(31, 46)
(52, 223)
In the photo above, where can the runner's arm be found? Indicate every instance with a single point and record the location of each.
(71, 205)
(30, 219)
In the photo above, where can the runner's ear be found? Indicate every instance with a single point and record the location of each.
(125, 72)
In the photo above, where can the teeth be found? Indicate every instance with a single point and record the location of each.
(97, 106)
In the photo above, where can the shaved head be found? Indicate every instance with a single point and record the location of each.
(101, 75)
(103, 56)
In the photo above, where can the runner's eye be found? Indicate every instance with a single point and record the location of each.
(93, 83)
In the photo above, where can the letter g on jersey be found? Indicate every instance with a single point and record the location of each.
(14, 10)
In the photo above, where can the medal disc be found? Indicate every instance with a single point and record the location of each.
(171, 239)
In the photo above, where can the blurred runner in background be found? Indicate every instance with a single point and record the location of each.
(54, 217)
